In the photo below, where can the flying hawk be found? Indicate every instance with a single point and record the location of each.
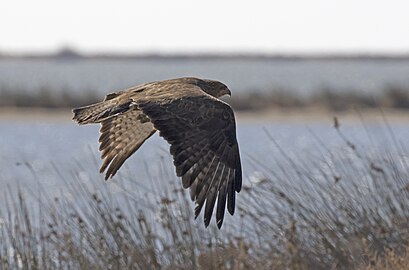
(189, 115)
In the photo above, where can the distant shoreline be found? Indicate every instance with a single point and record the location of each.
(71, 54)
(277, 115)
(392, 98)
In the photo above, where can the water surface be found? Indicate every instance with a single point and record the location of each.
(264, 75)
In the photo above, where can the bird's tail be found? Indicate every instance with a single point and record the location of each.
(99, 112)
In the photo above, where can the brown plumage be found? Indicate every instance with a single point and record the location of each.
(199, 127)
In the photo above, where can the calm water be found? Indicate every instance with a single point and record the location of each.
(47, 155)
(301, 77)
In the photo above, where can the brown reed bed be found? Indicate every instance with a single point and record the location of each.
(331, 99)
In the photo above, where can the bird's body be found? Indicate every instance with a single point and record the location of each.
(188, 114)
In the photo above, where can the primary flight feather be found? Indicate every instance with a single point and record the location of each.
(189, 115)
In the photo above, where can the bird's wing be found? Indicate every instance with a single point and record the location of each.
(202, 134)
(120, 137)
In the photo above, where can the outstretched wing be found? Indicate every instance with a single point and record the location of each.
(202, 134)
(120, 137)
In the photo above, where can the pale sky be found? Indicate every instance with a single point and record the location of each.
(289, 26)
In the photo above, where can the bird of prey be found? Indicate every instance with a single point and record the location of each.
(189, 115)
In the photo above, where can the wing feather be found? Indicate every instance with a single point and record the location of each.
(120, 137)
(221, 200)
(202, 134)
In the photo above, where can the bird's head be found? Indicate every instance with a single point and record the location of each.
(214, 88)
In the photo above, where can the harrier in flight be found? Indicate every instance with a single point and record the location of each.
(189, 115)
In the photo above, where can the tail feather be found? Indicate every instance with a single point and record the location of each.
(98, 112)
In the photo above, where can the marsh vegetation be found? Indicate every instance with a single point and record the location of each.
(345, 208)
(329, 99)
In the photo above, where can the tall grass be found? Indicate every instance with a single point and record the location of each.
(343, 208)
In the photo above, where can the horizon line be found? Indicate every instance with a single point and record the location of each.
(68, 52)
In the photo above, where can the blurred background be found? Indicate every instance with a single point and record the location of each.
(292, 67)
(325, 54)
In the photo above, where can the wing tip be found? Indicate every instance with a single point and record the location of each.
(219, 223)
(207, 220)
(238, 180)
(108, 174)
